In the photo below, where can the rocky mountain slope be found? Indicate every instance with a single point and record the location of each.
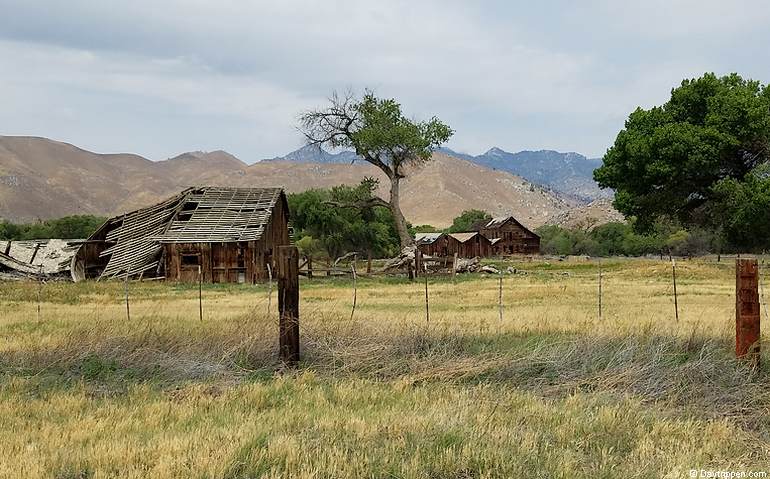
(587, 217)
(569, 174)
(41, 178)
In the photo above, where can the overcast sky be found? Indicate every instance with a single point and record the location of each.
(159, 77)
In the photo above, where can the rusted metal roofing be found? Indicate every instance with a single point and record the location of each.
(196, 215)
(499, 221)
(427, 238)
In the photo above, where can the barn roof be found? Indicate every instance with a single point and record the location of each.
(463, 237)
(196, 215)
(497, 223)
(427, 238)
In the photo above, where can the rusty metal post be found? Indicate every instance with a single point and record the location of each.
(500, 301)
(676, 297)
(269, 287)
(200, 293)
(39, 291)
(427, 308)
(355, 288)
(600, 290)
(747, 317)
(128, 308)
(288, 303)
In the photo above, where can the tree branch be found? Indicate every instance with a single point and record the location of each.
(372, 202)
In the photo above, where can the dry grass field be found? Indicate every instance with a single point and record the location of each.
(549, 390)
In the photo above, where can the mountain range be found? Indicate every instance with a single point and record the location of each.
(569, 173)
(42, 178)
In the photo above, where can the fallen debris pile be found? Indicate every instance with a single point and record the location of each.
(36, 258)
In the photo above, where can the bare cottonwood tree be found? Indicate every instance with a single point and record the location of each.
(379, 134)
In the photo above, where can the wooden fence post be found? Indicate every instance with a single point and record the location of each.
(418, 262)
(454, 265)
(309, 267)
(288, 303)
(747, 317)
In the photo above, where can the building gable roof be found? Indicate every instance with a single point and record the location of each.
(499, 222)
(427, 238)
(463, 237)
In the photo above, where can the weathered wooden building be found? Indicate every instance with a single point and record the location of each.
(432, 244)
(469, 245)
(227, 235)
(514, 238)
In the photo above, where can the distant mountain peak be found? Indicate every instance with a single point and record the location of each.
(316, 154)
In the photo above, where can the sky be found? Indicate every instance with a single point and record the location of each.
(161, 77)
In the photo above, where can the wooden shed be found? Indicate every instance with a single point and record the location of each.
(469, 245)
(229, 235)
(514, 238)
(432, 244)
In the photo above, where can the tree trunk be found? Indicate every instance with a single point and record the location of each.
(395, 208)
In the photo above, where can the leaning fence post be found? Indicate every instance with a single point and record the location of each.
(747, 317)
(288, 304)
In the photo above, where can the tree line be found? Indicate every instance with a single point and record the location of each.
(622, 239)
(67, 227)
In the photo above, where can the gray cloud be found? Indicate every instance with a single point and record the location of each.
(163, 77)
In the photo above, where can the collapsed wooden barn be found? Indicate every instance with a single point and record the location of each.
(227, 235)
(513, 237)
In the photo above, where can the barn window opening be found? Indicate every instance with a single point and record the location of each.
(191, 259)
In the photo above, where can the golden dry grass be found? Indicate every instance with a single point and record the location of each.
(549, 391)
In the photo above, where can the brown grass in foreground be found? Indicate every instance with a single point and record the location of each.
(550, 390)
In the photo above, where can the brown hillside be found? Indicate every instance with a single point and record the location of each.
(41, 178)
